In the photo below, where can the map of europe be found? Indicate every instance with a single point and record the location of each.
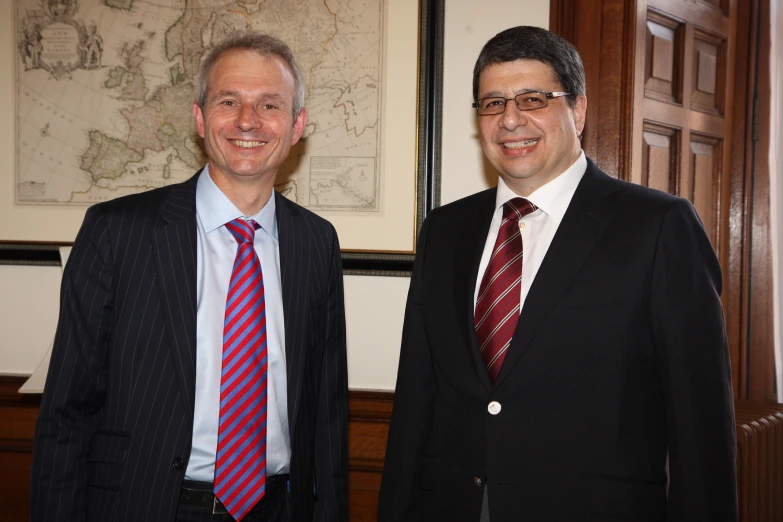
(105, 91)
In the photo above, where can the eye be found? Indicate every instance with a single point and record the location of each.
(228, 103)
(492, 104)
(268, 106)
(533, 98)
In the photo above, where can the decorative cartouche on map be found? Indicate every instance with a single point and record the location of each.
(54, 39)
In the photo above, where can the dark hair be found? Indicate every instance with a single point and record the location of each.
(534, 43)
(264, 45)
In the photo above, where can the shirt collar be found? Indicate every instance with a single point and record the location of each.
(214, 209)
(553, 197)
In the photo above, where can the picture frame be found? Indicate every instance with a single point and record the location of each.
(427, 164)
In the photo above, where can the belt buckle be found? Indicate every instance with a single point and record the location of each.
(217, 507)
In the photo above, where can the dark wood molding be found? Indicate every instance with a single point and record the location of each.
(369, 414)
(603, 31)
(762, 364)
(750, 287)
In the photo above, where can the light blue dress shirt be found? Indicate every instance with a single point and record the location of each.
(215, 252)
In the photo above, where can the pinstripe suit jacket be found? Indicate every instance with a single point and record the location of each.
(116, 420)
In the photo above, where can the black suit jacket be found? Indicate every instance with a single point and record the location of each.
(619, 356)
(115, 426)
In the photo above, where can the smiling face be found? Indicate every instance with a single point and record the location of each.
(529, 148)
(247, 121)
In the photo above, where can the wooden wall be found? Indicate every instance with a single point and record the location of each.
(760, 454)
(626, 73)
(369, 414)
(17, 427)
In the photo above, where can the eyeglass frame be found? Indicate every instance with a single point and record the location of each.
(547, 96)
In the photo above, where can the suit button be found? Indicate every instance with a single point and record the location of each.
(494, 407)
(177, 463)
(477, 481)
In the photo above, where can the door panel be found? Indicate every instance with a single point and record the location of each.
(681, 119)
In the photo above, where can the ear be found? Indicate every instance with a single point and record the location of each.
(199, 115)
(299, 125)
(580, 111)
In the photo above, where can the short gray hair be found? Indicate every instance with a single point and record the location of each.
(265, 45)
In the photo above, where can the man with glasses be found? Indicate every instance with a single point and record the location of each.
(564, 354)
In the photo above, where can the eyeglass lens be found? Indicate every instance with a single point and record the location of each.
(525, 101)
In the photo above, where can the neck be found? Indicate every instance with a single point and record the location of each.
(248, 195)
(526, 186)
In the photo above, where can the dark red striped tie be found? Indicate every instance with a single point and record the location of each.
(497, 305)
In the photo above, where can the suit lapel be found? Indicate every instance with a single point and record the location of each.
(174, 246)
(589, 214)
(466, 264)
(293, 273)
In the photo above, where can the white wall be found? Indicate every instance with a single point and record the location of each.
(463, 166)
(374, 305)
(28, 315)
(776, 179)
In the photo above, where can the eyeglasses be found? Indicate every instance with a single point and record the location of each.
(527, 101)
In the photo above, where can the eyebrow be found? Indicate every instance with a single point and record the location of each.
(236, 94)
(498, 94)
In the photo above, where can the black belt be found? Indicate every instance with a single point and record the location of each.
(201, 495)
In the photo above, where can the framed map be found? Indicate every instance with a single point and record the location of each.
(103, 109)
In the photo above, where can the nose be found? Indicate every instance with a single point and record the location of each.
(248, 118)
(512, 117)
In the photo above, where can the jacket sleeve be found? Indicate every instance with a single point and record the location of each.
(412, 405)
(331, 434)
(689, 332)
(75, 385)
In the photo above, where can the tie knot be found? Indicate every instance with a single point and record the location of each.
(243, 230)
(517, 208)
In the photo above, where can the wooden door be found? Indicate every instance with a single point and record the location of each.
(681, 119)
(674, 97)
(682, 122)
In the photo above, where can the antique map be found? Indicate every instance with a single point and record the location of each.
(105, 87)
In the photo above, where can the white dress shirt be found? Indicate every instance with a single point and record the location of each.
(216, 249)
(538, 228)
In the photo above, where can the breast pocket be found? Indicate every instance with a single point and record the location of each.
(106, 460)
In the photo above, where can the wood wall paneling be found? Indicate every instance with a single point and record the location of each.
(600, 30)
(762, 385)
(369, 414)
(705, 176)
(17, 428)
(660, 153)
(759, 459)
(681, 120)
(709, 73)
(663, 58)
(738, 318)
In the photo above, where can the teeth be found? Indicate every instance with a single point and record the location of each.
(248, 144)
(520, 144)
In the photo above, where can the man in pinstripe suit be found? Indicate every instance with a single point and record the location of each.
(128, 424)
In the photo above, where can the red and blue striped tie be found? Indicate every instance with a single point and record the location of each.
(240, 467)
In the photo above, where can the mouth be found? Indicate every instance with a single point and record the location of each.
(244, 144)
(520, 144)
